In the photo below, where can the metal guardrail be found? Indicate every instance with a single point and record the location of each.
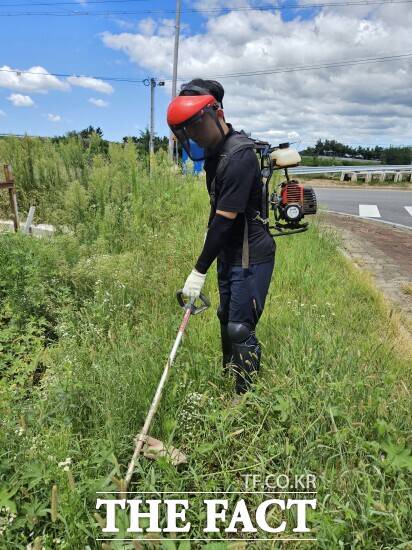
(335, 169)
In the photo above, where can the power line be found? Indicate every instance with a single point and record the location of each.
(279, 70)
(67, 75)
(23, 4)
(83, 13)
(321, 66)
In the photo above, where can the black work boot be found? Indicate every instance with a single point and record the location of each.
(246, 363)
(227, 350)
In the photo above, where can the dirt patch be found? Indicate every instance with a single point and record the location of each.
(323, 182)
(384, 251)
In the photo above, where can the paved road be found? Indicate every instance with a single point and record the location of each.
(390, 205)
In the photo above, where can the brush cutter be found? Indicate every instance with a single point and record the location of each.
(151, 447)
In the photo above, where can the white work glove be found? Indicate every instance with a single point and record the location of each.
(194, 284)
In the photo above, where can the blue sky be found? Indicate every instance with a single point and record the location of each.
(75, 45)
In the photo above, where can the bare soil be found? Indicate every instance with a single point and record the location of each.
(384, 251)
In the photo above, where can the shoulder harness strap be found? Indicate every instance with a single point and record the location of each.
(234, 143)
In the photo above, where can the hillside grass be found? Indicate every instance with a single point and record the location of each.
(308, 160)
(87, 321)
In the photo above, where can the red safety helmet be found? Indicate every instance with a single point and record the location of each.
(184, 113)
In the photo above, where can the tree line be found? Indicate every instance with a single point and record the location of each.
(386, 155)
(141, 141)
(93, 138)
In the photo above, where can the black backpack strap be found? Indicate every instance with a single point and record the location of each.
(236, 142)
(212, 193)
(245, 247)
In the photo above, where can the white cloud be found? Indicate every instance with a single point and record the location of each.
(98, 102)
(20, 100)
(364, 103)
(91, 83)
(126, 25)
(54, 118)
(147, 26)
(34, 80)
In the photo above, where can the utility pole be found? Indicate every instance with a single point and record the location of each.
(151, 141)
(152, 82)
(175, 61)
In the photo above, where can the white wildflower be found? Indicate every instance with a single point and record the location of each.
(65, 463)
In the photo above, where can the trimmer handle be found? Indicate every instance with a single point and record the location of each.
(191, 303)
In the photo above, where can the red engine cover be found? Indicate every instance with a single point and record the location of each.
(292, 192)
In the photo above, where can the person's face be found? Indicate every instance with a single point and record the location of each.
(204, 131)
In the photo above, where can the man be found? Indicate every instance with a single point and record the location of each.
(196, 115)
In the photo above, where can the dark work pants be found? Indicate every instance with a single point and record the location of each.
(243, 291)
(242, 299)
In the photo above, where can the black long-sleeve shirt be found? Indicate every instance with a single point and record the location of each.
(238, 187)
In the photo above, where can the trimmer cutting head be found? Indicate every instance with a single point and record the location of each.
(154, 449)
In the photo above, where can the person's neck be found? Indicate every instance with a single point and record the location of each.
(226, 126)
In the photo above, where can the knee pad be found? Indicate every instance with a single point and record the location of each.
(246, 354)
(238, 332)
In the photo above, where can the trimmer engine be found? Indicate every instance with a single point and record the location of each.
(295, 201)
(291, 201)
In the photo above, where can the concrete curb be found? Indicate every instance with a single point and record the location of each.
(39, 230)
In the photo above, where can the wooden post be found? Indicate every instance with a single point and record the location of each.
(9, 184)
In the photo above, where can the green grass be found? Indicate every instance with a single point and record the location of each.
(87, 323)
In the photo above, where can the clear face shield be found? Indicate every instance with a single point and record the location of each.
(198, 135)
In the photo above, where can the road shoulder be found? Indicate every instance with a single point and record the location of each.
(323, 182)
(383, 251)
